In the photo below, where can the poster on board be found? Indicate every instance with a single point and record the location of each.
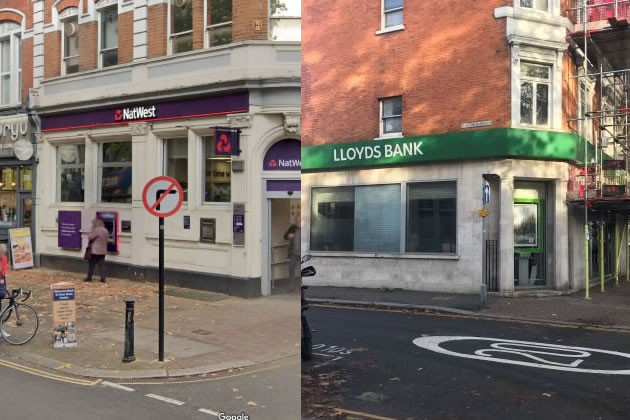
(64, 315)
(69, 231)
(21, 248)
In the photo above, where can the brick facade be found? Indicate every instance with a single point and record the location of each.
(451, 65)
(250, 19)
(52, 54)
(88, 46)
(157, 30)
(125, 38)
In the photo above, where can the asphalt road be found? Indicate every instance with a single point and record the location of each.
(270, 392)
(366, 362)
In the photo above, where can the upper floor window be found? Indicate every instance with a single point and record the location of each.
(535, 91)
(391, 116)
(10, 63)
(70, 44)
(109, 36)
(285, 20)
(392, 13)
(535, 4)
(219, 22)
(181, 26)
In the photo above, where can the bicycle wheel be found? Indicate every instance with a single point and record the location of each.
(21, 324)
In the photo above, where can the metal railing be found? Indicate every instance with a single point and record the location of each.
(492, 265)
(584, 11)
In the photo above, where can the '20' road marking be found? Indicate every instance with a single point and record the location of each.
(499, 351)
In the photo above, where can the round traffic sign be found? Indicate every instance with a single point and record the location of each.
(162, 196)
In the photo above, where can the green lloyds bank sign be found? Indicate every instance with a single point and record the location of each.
(498, 143)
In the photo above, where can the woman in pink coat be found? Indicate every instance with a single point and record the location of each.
(98, 245)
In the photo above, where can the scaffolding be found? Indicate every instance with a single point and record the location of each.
(600, 44)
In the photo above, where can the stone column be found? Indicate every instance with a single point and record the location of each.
(140, 175)
(561, 237)
(506, 237)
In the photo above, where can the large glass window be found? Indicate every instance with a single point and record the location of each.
(109, 37)
(359, 219)
(431, 217)
(181, 25)
(217, 173)
(115, 172)
(219, 22)
(535, 90)
(71, 172)
(285, 20)
(70, 27)
(392, 13)
(10, 63)
(176, 162)
(391, 116)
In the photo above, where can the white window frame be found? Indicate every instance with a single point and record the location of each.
(65, 15)
(536, 7)
(169, 26)
(99, 171)
(535, 81)
(209, 28)
(165, 158)
(382, 134)
(386, 29)
(101, 7)
(59, 167)
(542, 56)
(15, 71)
(278, 18)
(203, 169)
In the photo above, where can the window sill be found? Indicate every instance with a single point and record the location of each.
(389, 256)
(390, 29)
(389, 136)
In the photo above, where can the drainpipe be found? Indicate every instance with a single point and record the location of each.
(33, 120)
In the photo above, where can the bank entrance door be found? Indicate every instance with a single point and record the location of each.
(282, 210)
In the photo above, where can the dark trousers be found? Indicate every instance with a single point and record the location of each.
(100, 260)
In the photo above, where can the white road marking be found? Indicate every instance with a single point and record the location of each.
(168, 400)
(526, 350)
(213, 413)
(121, 387)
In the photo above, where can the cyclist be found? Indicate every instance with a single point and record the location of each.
(4, 270)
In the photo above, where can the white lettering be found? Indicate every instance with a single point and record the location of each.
(360, 152)
(397, 151)
(139, 112)
(369, 152)
(416, 148)
(407, 149)
(377, 152)
(354, 154)
(388, 150)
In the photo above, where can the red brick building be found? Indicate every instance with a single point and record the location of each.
(414, 108)
(126, 90)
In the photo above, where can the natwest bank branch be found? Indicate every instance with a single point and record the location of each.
(98, 161)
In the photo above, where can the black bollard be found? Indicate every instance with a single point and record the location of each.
(129, 356)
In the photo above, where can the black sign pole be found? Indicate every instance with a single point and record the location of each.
(161, 304)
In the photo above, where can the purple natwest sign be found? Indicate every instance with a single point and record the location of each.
(69, 231)
(285, 155)
(200, 107)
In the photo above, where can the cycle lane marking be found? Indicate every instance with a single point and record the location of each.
(117, 386)
(44, 374)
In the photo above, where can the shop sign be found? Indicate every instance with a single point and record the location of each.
(376, 151)
(69, 231)
(192, 108)
(137, 113)
(226, 142)
(21, 248)
(285, 155)
(13, 130)
(64, 315)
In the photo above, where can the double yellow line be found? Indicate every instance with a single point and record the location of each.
(43, 374)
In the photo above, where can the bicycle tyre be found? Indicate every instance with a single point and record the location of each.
(20, 334)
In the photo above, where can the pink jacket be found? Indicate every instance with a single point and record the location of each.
(99, 237)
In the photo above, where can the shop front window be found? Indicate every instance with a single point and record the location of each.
(181, 26)
(217, 173)
(176, 162)
(71, 173)
(8, 196)
(26, 179)
(115, 172)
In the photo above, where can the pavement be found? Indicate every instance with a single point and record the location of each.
(610, 309)
(205, 332)
(367, 365)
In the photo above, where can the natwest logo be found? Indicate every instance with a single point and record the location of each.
(135, 113)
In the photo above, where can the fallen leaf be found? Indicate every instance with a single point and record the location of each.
(251, 403)
(234, 389)
(546, 394)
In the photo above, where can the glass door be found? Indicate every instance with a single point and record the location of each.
(26, 211)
